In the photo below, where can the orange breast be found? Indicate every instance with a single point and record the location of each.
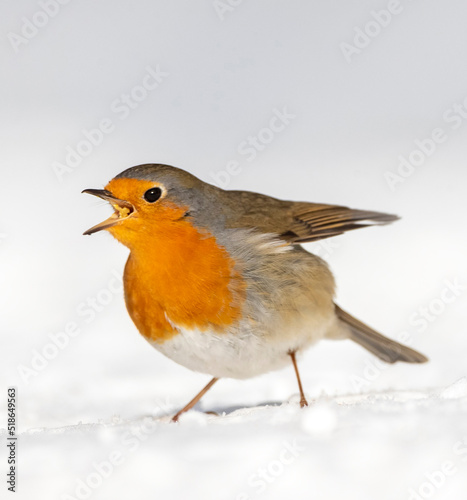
(181, 277)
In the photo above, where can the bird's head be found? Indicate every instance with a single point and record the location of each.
(151, 199)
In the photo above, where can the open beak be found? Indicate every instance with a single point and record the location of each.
(123, 209)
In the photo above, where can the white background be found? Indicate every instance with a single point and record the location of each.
(226, 74)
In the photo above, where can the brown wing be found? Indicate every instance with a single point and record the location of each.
(297, 222)
(316, 222)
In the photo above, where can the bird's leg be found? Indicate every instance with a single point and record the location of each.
(303, 401)
(192, 403)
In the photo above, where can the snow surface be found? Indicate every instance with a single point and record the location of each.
(370, 446)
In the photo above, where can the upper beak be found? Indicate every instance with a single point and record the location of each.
(122, 209)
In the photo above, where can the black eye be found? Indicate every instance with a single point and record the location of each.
(153, 194)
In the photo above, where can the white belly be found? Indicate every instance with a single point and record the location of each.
(237, 355)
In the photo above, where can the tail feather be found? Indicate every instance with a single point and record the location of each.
(386, 349)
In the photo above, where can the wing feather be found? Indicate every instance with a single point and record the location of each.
(297, 222)
(324, 221)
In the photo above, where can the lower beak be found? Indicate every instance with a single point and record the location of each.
(122, 208)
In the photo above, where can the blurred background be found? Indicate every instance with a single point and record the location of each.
(371, 98)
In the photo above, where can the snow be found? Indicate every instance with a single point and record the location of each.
(90, 390)
(381, 445)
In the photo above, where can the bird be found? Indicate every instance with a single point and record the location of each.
(218, 280)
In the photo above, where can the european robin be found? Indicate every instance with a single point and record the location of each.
(218, 280)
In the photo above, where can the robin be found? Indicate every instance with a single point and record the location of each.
(218, 280)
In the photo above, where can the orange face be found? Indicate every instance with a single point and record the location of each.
(140, 206)
(173, 266)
